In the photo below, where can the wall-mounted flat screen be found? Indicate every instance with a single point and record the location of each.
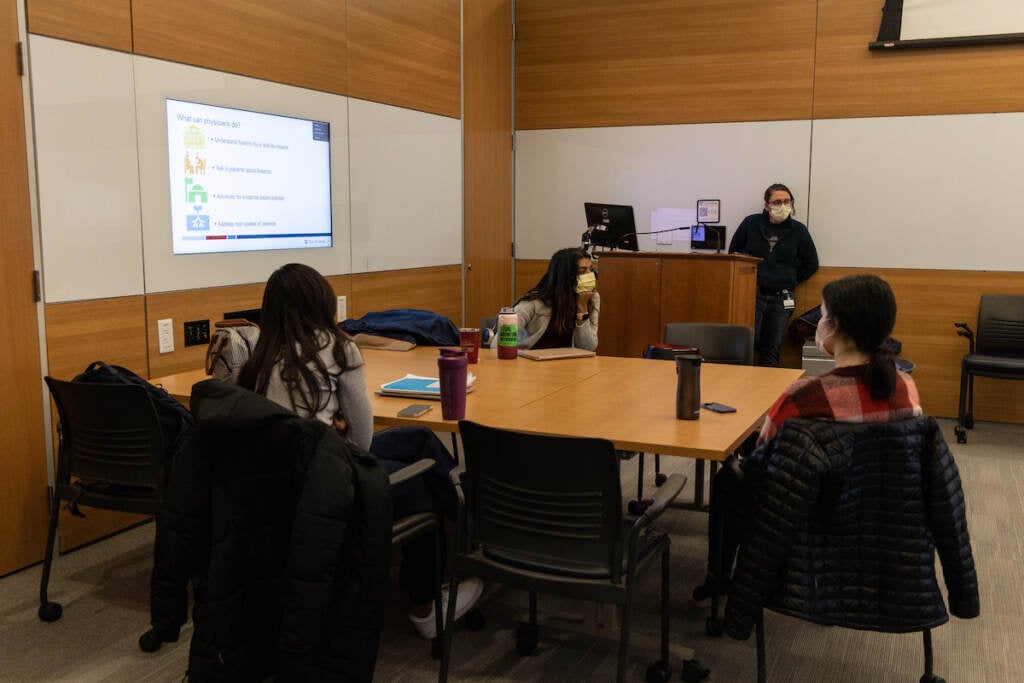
(246, 181)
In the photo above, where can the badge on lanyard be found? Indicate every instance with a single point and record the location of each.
(788, 302)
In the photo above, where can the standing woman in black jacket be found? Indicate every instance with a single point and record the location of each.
(789, 258)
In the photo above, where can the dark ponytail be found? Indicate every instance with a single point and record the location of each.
(863, 308)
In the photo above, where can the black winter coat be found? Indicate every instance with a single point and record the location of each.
(285, 530)
(844, 524)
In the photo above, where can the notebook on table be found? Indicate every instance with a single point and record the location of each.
(555, 354)
(415, 386)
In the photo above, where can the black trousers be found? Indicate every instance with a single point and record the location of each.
(430, 492)
(727, 519)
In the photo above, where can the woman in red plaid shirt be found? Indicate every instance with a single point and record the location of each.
(857, 315)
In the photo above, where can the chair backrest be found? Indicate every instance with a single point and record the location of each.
(1001, 325)
(718, 343)
(555, 500)
(109, 433)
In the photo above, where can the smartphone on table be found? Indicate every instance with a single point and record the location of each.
(717, 407)
(414, 410)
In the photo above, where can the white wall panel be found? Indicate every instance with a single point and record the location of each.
(156, 80)
(406, 187)
(87, 170)
(918, 191)
(650, 167)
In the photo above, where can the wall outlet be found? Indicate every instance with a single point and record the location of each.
(197, 332)
(342, 308)
(165, 334)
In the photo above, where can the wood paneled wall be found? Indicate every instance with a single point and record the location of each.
(850, 81)
(23, 504)
(488, 157)
(302, 42)
(583, 63)
(406, 53)
(400, 52)
(107, 23)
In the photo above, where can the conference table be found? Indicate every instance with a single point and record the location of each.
(629, 401)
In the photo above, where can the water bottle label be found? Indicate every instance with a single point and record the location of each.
(508, 335)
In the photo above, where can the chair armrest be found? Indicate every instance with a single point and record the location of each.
(665, 494)
(964, 330)
(409, 471)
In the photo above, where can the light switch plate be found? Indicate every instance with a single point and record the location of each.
(342, 308)
(165, 334)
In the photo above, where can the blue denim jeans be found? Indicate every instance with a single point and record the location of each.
(770, 320)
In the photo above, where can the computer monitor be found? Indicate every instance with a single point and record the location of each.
(707, 237)
(611, 225)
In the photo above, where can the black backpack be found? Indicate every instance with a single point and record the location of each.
(175, 419)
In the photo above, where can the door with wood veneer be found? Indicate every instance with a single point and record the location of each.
(23, 462)
(488, 157)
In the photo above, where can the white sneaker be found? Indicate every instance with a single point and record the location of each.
(470, 591)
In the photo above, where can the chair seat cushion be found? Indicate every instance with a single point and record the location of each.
(648, 543)
(976, 362)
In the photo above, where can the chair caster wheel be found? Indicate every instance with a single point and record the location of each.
(474, 620)
(151, 640)
(932, 678)
(637, 507)
(50, 611)
(961, 434)
(659, 672)
(969, 420)
(527, 635)
(694, 671)
(714, 627)
(660, 479)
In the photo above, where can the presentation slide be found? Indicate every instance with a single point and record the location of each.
(923, 19)
(246, 181)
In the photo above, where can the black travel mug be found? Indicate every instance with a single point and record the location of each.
(688, 385)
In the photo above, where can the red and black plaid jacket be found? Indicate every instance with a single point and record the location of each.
(841, 396)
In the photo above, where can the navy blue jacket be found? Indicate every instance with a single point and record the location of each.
(794, 258)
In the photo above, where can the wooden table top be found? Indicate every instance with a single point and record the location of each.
(630, 401)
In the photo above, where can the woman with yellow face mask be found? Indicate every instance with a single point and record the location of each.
(563, 308)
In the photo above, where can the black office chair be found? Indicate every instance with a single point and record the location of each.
(544, 514)
(843, 529)
(110, 442)
(997, 352)
(718, 343)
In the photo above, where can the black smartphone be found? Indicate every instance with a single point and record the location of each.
(414, 410)
(718, 407)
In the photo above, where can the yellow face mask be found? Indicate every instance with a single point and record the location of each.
(586, 283)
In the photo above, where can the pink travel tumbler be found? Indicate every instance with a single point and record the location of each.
(451, 367)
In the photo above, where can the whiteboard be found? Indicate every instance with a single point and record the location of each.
(651, 167)
(406, 188)
(103, 184)
(87, 170)
(918, 191)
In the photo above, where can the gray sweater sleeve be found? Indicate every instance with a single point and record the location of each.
(353, 399)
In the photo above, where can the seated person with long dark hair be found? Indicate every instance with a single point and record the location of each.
(562, 309)
(857, 315)
(303, 362)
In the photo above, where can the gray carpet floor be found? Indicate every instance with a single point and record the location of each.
(104, 590)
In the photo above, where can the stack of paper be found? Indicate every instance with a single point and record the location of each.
(415, 386)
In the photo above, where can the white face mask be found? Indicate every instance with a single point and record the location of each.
(779, 213)
(820, 339)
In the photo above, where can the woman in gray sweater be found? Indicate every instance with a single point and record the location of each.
(303, 362)
(562, 309)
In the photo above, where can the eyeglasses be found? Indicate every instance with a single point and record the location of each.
(781, 202)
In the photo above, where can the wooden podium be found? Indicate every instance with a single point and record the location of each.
(641, 292)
